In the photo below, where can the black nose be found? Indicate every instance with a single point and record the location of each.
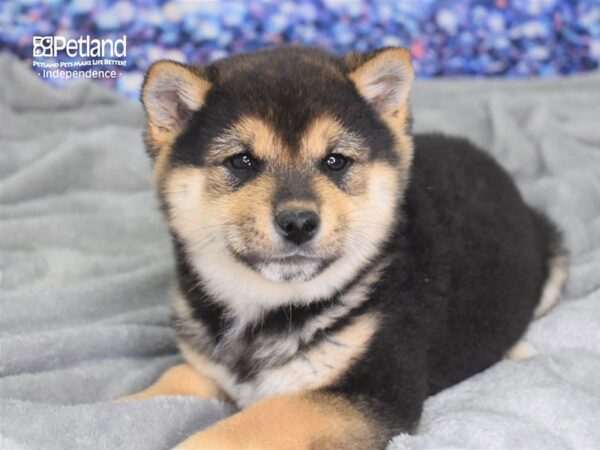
(297, 226)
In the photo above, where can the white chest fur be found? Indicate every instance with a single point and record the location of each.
(285, 366)
(318, 366)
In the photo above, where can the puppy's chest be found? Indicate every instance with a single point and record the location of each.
(251, 363)
(273, 364)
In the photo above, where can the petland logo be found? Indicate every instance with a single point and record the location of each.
(84, 47)
(51, 55)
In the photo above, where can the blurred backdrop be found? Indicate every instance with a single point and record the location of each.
(500, 38)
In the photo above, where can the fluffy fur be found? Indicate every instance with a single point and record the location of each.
(424, 265)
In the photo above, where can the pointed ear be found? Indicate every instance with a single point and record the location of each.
(383, 77)
(171, 93)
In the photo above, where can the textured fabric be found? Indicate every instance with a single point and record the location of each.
(85, 259)
(505, 38)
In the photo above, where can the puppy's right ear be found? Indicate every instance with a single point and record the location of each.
(171, 93)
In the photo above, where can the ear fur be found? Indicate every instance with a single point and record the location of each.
(171, 93)
(383, 77)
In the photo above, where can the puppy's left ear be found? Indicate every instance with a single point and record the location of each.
(383, 78)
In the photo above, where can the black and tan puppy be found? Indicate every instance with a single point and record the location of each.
(332, 270)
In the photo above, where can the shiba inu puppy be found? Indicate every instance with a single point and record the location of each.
(332, 269)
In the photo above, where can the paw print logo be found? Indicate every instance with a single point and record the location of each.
(42, 46)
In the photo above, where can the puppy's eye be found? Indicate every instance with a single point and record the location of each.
(336, 161)
(242, 161)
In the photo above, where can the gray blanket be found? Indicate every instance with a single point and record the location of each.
(85, 265)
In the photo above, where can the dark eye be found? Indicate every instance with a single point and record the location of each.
(335, 161)
(243, 161)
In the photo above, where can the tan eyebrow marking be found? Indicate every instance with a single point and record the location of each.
(253, 132)
(326, 134)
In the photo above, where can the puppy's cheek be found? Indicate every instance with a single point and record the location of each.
(254, 242)
(332, 245)
(337, 230)
(372, 218)
(335, 205)
(250, 210)
(234, 239)
(190, 211)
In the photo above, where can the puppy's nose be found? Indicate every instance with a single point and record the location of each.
(297, 226)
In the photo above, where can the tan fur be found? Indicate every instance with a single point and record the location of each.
(298, 205)
(368, 217)
(325, 133)
(201, 215)
(393, 181)
(182, 380)
(521, 350)
(554, 285)
(300, 421)
(183, 191)
(263, 139)
(209, 368)
(255, 230)
(367, 74)
(187, 87)
(161, 159)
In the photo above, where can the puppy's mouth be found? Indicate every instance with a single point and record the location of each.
(293, 259)
(288, 268)
(292, 268)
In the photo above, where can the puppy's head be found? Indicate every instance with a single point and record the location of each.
(288, 163)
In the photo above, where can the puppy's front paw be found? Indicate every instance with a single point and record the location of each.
(180, 380)
(143, 395)
(209, 440)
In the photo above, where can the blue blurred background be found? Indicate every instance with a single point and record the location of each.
(500, 38)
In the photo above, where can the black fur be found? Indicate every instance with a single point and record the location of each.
(469, 263)
(469, 258)
(273, 85)
(469, 267)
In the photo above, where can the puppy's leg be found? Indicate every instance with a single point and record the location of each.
(180, 380)
(521, 350)
(305, 420)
